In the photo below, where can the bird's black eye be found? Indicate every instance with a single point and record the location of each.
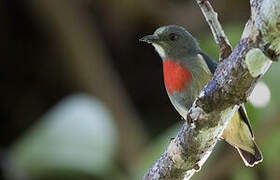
(173, 36)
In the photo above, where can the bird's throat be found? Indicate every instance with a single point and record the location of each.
(176, 76)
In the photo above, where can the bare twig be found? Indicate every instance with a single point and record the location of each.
(219, 35)
(231, 85)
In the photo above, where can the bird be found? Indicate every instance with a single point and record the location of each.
(186, 71)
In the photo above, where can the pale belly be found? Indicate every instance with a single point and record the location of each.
(183, 100)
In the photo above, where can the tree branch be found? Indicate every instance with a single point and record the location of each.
(219, 35)
(230, 86)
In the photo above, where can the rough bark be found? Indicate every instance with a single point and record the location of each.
(230, 86)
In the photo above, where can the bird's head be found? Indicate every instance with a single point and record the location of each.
(173, 41)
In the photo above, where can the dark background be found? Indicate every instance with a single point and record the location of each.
(61, 56)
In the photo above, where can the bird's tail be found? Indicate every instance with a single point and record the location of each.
(250, 159)
(239, 134)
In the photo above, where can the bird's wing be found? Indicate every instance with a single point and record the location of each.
(212, 65)
(236, 134)
(244, 117)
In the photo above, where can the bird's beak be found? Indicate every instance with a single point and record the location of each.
(150, 39)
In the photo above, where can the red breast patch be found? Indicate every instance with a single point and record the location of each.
(176, 76)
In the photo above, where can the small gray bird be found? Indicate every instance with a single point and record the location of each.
(187, 69)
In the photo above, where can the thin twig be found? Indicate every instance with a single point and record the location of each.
(219, 35)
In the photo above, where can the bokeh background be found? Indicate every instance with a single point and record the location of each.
(82, 98)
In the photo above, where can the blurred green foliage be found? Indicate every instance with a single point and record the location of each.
(71, 137)
(77, 136)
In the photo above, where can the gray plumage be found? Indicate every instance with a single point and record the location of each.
(174, 43)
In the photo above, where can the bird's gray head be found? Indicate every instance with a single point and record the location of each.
(173, 41)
